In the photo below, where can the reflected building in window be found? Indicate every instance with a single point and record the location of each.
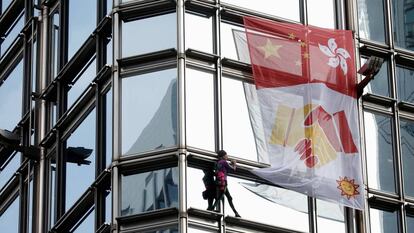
(128, 101)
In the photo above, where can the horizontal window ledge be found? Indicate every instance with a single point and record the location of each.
(161, 215)
(382, 100)
(406, 106)
(193, 53)
(132, 11)
(232, 222)
(212, 215)
(147, 57)
(227, 62)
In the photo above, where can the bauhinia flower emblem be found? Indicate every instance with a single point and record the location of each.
(337, 56)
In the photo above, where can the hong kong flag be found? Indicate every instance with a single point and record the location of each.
(305, 81)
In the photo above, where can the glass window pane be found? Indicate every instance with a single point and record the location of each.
(11, 35)
(409, 218)
(149, 191)
(403, 23)
(82, 22)
(380, 85)
(108, 207)
(9, 168)
(379, 152)
(149, 111)
(321, 13)
(9, 220)
(5, 4)
(383, 221)
(52, 192)
(199, 32)
(149, 35)
(405, 84)
(55, 44)
(11, 99)
(228, 45)
(108, 128)
(108, 6)
(371, 20)
(238, 137)
(330, 216)
(80, 157)
(200, 109)
(87, 224)
(194, 191)
(407, 153)
(81, 82)
(281, 8)
(268, 204)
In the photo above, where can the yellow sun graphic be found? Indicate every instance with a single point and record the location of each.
(348, 187)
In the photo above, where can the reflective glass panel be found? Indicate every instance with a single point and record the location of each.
(405, 84)
(81, 82)
(380, 85)
(199, 32)
(82, 22)
(80, 159)
(108, 128)
(149, 111)
(383, 221)
(238, 137)
(371, 20)
(268, 204)
(403, 23)
(5, 4)
(108, 6)
(229, 48)
(55, 44)
(330, 216)
(321, 13)
(149, 191)
(407, 153)
(108, 207)
(149, 35)
(9, 220)
(9, 168)
(52, 193)
(281, 8)
(172, 229)
(87, 225)
(409, 218)
(12, 34)
(379, 152)
(11, 99)
(200, 109)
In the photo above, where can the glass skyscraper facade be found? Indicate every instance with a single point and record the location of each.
(127, 102)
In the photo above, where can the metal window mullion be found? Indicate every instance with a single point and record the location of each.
(388, 18)
(182, 143)
(218, 122)
(60, 194)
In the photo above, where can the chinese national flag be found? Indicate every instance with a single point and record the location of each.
(306, 92)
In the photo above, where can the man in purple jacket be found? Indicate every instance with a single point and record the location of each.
(222, 167)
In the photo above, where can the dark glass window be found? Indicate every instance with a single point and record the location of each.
(379, 152)
(409, 218)
(149, 35)
(11, 98)
(12, 34)
(55, 24)
(407, 153)
(9, 219)
(86, 225)
(82, 22)
(380, 85)
(371, 20)
(9, 168)
(149, 111)
(403, 23)
(81, 82)
(281, 8)
(200, 109)
(149, 191)
(80, 157)
(405, 84)
(383, 221)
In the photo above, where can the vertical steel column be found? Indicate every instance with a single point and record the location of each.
(182, 154)
(116, 103)
(41, 200)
